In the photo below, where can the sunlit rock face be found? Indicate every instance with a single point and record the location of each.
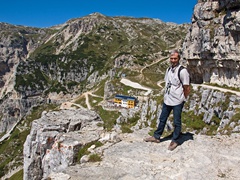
(211, 47)
(55, 139)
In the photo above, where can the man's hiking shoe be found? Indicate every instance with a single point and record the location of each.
(172, 146)
(152, 139)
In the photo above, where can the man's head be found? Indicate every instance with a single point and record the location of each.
(174, 58)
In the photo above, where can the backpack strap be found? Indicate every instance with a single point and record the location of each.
(179, 70)
(168, 69)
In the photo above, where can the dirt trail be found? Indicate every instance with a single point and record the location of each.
(155, 62)
(71, 104)
(87, 100)
(217, 88)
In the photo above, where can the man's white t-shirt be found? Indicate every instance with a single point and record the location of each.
(174, 94)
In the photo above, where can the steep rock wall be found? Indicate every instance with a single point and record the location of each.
(211, 46)
(16, 43)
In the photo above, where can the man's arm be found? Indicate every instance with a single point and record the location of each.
(186, 90)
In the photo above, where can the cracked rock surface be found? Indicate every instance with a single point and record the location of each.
(198, 157)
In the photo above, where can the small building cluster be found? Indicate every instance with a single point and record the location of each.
(125, 101)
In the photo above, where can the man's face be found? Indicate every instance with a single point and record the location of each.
(174, 59)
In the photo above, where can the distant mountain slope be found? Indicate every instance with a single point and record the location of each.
(48, 64)
(85, 49)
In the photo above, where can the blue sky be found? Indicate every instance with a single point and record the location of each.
(46, 13)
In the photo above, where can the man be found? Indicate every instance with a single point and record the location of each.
(176, 91)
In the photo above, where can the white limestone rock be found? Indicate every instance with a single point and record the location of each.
(55, 140)
(198, 157)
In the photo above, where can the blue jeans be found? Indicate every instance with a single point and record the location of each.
(166, 110)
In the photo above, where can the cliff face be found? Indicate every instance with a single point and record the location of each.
(211, 46)
(55, 140)
(16, 43)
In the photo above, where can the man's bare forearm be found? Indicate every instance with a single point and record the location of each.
(186, 90)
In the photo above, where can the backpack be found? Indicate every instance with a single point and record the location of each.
(179, 70)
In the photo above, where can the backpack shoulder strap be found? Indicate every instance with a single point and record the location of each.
(168, 69)
(179, 70)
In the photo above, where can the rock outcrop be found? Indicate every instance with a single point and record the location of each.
(56, 138)
(215, 108)
(197, 157)
(211, 46)
(14, 109)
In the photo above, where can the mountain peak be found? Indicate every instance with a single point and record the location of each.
(96, 14)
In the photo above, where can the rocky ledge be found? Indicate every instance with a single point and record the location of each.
(57, 137)
(198, 157)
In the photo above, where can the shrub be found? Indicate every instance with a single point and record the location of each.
(95, 158)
